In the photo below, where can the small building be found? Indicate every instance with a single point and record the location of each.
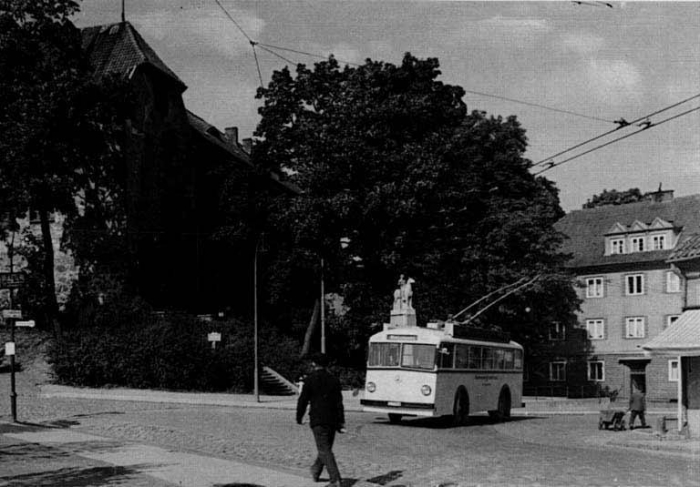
(630, 291)
(681, 341)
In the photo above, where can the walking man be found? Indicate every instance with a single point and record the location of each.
(637, 407)
(326, 416)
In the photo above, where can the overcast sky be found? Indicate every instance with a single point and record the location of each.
(599, 62)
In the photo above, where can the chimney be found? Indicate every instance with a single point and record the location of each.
(232, 135)
(660, 196)
(247, 145)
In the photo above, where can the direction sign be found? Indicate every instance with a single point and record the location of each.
(14, 314)
(27, 323)
(11, 280)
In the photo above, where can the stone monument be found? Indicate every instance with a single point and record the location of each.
(402, 312)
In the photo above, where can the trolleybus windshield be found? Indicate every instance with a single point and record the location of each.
(405, 355)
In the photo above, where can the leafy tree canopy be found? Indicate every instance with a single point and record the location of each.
(59, 134)
(389, 157)
(614, 197)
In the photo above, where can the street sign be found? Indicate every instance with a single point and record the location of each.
(14, 314)
(27, 323)
(214, 337)
(11, 280)
(9, 348)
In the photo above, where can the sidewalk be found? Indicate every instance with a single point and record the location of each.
(33, 455)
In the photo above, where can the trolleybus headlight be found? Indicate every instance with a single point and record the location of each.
(371, 387)
(426, 390)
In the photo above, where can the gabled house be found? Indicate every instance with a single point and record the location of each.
(177, 165)
(630, 291)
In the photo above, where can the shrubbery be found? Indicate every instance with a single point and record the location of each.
(172, 353)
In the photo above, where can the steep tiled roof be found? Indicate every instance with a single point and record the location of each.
(690, 249)
(119, 48)
(214, 136)
(680, 338)
(586, 229)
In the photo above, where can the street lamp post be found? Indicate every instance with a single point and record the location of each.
(256, 389)
(323, 311)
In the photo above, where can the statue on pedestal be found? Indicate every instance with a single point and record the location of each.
(403, 295)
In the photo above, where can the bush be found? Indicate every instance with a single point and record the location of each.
(171, 353)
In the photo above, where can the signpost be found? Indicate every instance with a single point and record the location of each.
(214, 337)
(12, 280)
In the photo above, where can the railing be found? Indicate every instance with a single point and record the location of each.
(568, 391)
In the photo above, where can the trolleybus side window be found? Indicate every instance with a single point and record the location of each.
(518, 360)
(509, 359)
(461, 356)
(418, 356)
(487, 358)
(475, 358)
(446, 353)
(384, 354)
(499, 355)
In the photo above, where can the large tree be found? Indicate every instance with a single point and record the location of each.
(389, 157)
(59, 137)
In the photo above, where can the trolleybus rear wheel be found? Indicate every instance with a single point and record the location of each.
(504, 405)
(460, 409)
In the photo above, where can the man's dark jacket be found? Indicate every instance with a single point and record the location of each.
(323, 391)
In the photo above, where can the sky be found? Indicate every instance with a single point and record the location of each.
(588, 63)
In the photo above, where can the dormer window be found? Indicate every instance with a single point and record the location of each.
(617, 246)
(637, 244)
(658, 242)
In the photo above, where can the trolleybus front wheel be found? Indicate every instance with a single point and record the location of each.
(394, 418)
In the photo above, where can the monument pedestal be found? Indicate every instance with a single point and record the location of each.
(402, 318)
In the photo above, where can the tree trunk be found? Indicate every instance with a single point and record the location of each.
(51, 302)
(310, 329)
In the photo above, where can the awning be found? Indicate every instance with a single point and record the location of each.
(681, 338)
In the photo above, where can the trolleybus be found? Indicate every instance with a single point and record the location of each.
(442, 369)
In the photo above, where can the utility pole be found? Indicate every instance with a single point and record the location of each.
(123, 12)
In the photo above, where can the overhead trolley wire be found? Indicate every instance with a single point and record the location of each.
(537, 105)
(230, 17)
(646, 127)
(304, 53)
(622, 123)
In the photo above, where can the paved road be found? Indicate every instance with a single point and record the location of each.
(563, 450)
(540, 451)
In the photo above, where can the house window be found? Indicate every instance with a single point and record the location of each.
(637, 244)
(596, 329)
(671, 319)
(673, 370)
(634, 327)
(617, 246)
(557, 371)
(596, 371)
(634, 284)
(557, 331)
(673, 282)
(658, 242)
(594, 287)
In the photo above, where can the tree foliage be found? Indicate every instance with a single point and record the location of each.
(389, 157)
(59, 138)
(614, 197)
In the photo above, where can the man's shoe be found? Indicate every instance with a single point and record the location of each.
(334, 484)
(315, 474)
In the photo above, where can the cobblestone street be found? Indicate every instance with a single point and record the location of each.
(554, 450)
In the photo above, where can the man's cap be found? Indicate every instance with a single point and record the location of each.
(320, 359)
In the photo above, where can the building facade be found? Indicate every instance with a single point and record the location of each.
(630, 293)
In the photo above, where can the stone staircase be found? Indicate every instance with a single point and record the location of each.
(273, 384)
